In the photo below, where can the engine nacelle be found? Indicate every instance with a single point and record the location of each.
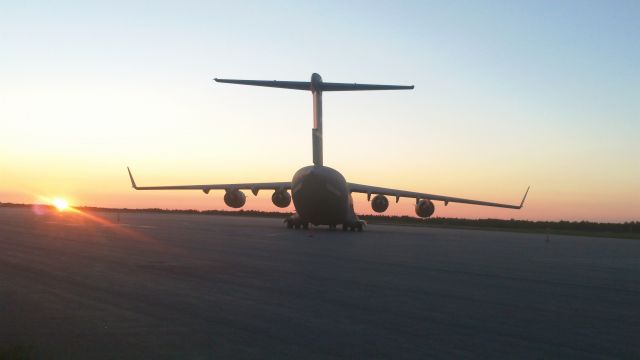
(379, 203)
(235, 198)
(425, 208)
(281, 198)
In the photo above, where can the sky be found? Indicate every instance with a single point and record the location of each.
(507, 94)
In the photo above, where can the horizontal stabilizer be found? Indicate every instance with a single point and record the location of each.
(296, 85)
(318, 85)
(355, 87)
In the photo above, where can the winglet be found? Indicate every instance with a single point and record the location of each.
(524, 197)
(133, 182)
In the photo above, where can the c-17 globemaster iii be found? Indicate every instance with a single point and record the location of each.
(321, 195)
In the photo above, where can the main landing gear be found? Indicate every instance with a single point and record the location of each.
(358, 225)
(294, 221)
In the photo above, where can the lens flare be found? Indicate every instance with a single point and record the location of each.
(60, 204)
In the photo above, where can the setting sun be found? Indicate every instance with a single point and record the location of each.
(60, 204)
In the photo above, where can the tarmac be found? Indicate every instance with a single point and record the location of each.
(165, 286)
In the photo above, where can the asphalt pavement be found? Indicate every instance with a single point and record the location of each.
(165, 286)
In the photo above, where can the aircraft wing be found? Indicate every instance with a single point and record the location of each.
(366, 189)
(254, 187)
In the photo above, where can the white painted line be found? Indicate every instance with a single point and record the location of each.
(274, 234)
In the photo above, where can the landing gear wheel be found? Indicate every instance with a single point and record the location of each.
(344, 227)
(332, 226)
(359, 227)
(305, 226)
(294, 221)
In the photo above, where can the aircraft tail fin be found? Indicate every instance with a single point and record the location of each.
(316, 86)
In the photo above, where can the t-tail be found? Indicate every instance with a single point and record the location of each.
(316, 86)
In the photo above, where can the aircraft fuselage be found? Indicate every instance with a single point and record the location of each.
(321, 197)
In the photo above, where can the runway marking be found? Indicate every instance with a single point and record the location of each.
(274, 234)
(64, 224)
(103, 225)
(139, 226)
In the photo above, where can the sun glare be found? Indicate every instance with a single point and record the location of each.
(60, 204)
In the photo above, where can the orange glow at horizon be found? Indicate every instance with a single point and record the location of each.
(549, 199)
(539, 206)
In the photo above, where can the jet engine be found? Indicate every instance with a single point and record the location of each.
(281, 198)
(425, 208)
(235, 198)
(379, 203)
